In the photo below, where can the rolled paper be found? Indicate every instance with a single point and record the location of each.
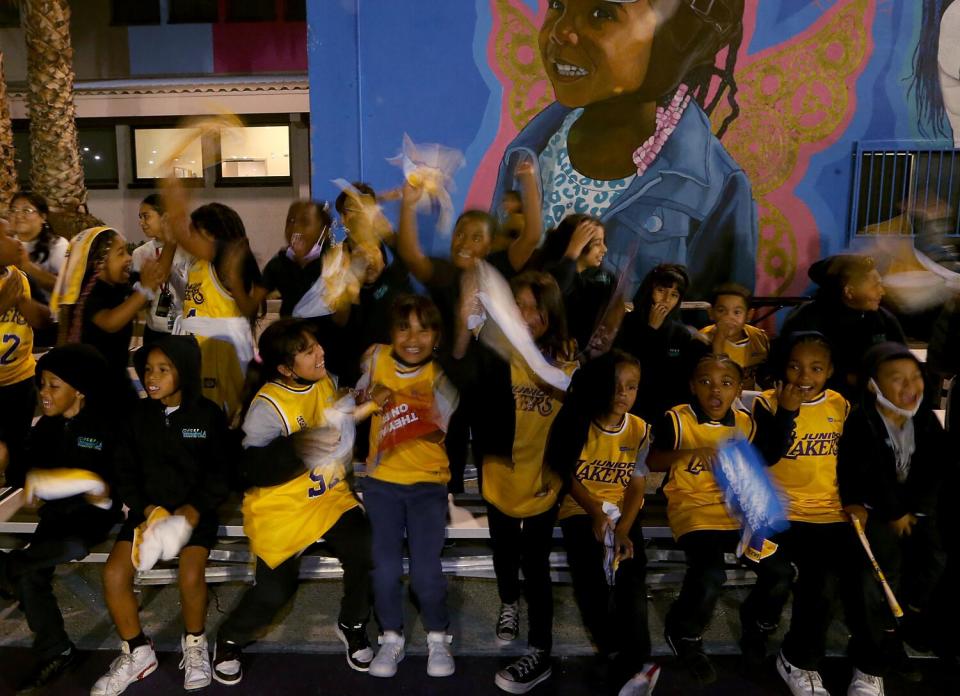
(146, 550)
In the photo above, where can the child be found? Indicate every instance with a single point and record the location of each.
(731, 334)
(291, 503)
(573, 254)
(521, 492)
(601, 450)
(295, 268)
(168, 303)
(43, 251)
(224, 292)
(685, 445)
(847, 311)
(406, 487)
(172, 455)
(72, 440)
(654, 334)
(891, 462)
(808, 419)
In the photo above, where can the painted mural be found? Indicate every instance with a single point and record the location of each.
(664, 117)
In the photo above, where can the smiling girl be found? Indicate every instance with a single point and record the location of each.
(629, 138)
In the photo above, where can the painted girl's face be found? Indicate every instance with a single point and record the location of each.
(533, 316)
(412, 341)
(715, 385)
(595, 50)
(808, 368)
(25, 219)
(151, 222)
(470, 243)
(118, 263)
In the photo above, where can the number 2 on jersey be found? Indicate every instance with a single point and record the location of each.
(6, 356)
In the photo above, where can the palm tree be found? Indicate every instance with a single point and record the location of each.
(8, 170)
(56, 170)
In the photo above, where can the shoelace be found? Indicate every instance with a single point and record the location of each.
(814, 679)
(508, 616)
(525, 664)
(124, 663)
(194, 656)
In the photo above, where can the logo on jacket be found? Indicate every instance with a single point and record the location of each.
(90, 443)
(193, 434)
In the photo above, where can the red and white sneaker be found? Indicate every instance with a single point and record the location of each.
(643, 682)
(126, 669)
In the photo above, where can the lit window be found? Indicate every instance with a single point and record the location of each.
(159, 152)
(255, 152)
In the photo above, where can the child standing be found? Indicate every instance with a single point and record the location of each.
(295, 268)
(686, 441)
(808, 420)
(173, 454)
(168, 303)
(730, 333)
(74, 438)
(290, 504)
(406, 489)
(601, 450)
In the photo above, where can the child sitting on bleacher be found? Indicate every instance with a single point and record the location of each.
(171, 464)
(294, 498)
(686, 440)
(819, 551)
(732, 334)
(600, 449)
(892, 459)
(69, 457)
(406, 486)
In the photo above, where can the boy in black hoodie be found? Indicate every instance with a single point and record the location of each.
(71, 443)
(171, 459)
(892, 459)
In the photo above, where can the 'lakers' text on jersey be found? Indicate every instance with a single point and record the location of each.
(608, 463)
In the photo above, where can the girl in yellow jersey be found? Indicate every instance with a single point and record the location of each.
(685, 444)
(289, 506)
(600, 449)
(406, 489)
(807, 420)
(18, 393)
(223, 293)
(515, 412)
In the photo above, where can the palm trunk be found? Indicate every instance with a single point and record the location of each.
(8, 167)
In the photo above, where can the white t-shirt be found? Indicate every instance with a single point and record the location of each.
(176, 283)
(53, 263)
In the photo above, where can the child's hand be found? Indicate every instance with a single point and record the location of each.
(380, 394)
(11, 292)
(190, 512)
(789, 396)
(707, 455)
(904, 526)
(524, 168)
(411, 193)
(147, 511)
(584, 233)
(857, 511)
(600, 525)
(152, 274)
(658, 313)
(622, 545)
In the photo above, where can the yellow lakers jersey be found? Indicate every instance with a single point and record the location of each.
(523, 486)
(281, 521)
(406, 446)
(205, 296)
(16, 336)
(807, 474)
(748, 352)
(606, 464)
(694, 501)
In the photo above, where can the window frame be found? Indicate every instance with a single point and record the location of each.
(137, 181)
(221, 181)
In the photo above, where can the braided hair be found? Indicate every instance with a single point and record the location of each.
(925, 80)
(41, 247)
(96, 259)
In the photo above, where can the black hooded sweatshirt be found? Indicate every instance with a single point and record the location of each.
(178, 458)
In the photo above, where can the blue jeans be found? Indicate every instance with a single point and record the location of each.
(420, 509)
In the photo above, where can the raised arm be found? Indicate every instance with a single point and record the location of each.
(408, 240)
(522, 248)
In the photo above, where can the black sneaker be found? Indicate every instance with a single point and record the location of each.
(691, 655)
(753, 643)
(508, 623)
(227, 663)
(525, 673)
(48, 671)
(359, 652)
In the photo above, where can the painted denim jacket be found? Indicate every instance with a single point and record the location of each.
(692, 206)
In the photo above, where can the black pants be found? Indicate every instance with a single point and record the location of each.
(459, 446)
(818, 562)
(28, 573)
(615, 617)
(524, 544)
(17, 404)
(349, 539)
(706, 573)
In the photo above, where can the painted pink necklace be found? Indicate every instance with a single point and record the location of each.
(667, 119)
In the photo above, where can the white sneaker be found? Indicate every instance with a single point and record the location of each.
(389, 655)
(126, 669)
(439, 659)
(643, 682)
(195, 663)
(864, 684)
(801, 682)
